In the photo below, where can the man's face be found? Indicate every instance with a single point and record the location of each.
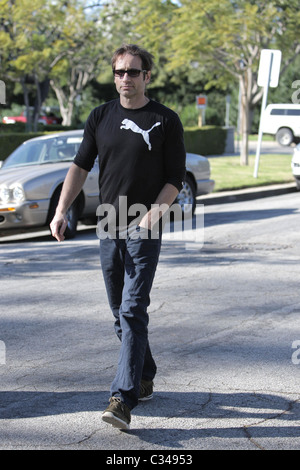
(131, 87)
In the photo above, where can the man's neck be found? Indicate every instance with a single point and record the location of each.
(133, 104)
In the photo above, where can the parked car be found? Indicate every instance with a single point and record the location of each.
(45, 118)
(283, 121)
(296, 165)
(31, 179)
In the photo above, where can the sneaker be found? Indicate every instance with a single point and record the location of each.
(117, 414)
(146, 390)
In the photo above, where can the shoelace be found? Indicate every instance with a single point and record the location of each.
(144, 388)
(115, 399)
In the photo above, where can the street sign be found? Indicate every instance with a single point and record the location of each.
(269, 57)
(201, 101)
(268, 75)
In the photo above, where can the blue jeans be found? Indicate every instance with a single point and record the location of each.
(128, 267)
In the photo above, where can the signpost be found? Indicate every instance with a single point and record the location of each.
(201, 103)
(268, 75)
(2, 92)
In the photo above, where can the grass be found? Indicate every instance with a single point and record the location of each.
(229, 174)
(265, 137)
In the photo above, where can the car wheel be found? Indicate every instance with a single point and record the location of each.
(297, 183)
(72, 215)
(187, 197)
(284, 137)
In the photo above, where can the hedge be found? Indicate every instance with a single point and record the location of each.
(20, 127)
(207, 140)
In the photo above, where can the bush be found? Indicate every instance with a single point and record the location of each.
(58, 127)
(12, 128)
(21, 127)
(206, 140)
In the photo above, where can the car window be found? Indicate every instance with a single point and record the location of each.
(285, 112)
(53, 150)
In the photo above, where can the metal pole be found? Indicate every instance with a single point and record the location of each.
(263, 107)
(239, 118)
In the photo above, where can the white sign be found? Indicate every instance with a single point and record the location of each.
(269, 58)
(268, 75)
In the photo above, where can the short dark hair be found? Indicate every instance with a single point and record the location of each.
(133, 49)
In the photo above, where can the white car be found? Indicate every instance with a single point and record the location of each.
(296, 165)
(282, 121)
(31, 179)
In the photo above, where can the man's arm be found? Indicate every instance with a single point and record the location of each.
(73, 183)
(163, 201)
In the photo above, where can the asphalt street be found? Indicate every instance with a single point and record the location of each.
(224, 329)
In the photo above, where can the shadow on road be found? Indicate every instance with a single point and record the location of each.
(257, 409)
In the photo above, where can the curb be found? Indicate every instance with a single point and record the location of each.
(247, 194)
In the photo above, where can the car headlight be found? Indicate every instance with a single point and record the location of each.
(18, 194)
(4, 194)
(14, 194)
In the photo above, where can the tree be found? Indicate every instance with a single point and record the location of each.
(26, 48)
(117, 17)
(57, 40)
(230, 36)
(227, 37)
(80, 51)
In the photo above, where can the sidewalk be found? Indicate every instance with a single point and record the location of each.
(247, 194)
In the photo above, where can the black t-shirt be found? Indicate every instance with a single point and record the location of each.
(139, 150)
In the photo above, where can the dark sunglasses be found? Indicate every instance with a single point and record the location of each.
(133, 73)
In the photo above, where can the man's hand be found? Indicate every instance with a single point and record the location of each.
(58, 226)
(165, 198)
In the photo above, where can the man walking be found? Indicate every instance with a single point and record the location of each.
(141, 153)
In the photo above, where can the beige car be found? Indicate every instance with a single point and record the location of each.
(31, 179)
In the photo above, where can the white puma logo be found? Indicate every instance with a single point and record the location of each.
(128, 124)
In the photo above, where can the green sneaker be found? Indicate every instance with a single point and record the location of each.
(117, 414)
(146, 390)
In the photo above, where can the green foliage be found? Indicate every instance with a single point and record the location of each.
(16, 128)
(229, 174)
(199, 47)
(207, 140)
(44, 40)
(222, 40)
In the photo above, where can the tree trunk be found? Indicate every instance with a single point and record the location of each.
(42, 90)
(38, 104)
(66, 105)
(28, 125)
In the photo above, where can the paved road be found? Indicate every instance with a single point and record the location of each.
(270, 146)
(225, 330)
